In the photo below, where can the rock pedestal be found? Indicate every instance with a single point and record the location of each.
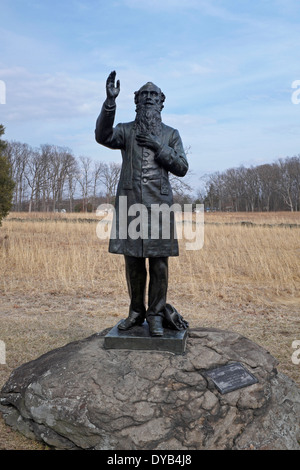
(84, 396)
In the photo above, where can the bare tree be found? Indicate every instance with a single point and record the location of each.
(251, 188)
(34, 175)
(110, 175)
(267, 175)
(288, 181)
(96, 179)
(84, 179)
(71, 180)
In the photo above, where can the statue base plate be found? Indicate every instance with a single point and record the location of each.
(139, 338)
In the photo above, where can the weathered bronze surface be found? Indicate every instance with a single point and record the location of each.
(150, 150)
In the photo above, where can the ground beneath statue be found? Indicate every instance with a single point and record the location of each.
(83, 396)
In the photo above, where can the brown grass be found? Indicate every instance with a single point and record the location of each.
(59, 284)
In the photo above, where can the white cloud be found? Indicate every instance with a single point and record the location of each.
(208, 7)
(47, 96)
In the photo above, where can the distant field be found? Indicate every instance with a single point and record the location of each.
(59, 284)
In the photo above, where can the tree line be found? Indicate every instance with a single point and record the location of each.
(51, 178)
(267, 187)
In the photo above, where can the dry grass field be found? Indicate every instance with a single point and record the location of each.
(59, 284)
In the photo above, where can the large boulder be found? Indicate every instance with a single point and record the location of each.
(83, 396)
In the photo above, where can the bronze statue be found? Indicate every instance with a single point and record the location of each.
(150, 150)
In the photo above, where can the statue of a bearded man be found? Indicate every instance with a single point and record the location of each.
(150, 150)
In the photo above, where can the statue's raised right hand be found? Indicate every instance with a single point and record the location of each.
(112, 91)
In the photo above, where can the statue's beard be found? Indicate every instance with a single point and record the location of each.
(148, 119)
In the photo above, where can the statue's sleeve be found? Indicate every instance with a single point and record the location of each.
(105, 132)
(172, 156)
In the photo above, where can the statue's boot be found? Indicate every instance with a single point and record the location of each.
(155, 325)
(133, 319)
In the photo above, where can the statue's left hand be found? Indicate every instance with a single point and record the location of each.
(149, 141)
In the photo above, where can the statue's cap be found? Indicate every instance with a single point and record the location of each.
(150, 85)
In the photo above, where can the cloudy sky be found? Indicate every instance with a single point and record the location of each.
(226, 68)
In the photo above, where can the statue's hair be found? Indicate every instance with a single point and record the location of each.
(162, 95)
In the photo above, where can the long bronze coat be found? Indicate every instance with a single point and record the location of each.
(143, 180)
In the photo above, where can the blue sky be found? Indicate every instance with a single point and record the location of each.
(226, 68)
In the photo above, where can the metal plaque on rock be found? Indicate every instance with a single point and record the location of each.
(231, 377)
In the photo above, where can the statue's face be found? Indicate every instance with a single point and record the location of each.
(149, 95)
